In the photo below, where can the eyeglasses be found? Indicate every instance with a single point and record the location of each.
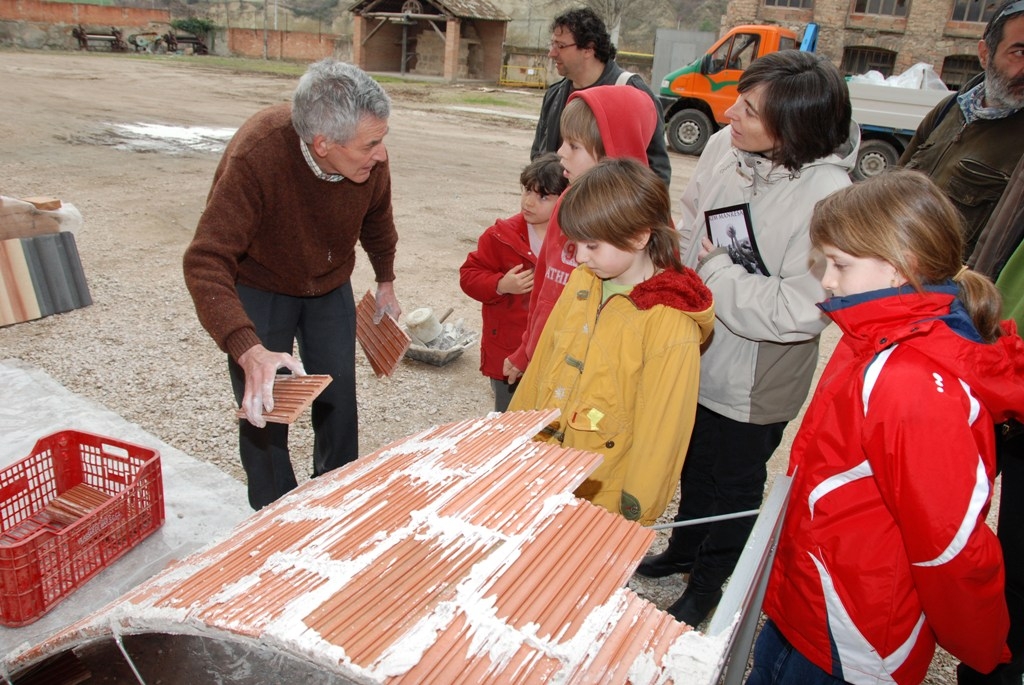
(555, 45)
(1009, 10)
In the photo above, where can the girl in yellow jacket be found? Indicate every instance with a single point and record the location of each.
(620, 353)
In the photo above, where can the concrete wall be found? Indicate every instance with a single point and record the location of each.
(674, 49)
(36, 11)
(36, 24)
(429, 51)
(286, 45)
(492, 35)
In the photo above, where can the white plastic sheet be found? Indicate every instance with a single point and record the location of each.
(921, 76)
(202, 503)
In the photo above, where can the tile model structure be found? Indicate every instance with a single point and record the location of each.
(458, 555)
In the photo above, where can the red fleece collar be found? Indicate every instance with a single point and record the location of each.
(682, 290)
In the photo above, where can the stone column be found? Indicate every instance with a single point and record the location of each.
(451, 50)
(358, 50)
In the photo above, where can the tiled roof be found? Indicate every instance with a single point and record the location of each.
(473, 9)
(462, 9)
(456, 555)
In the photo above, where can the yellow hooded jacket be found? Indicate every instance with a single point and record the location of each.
(625, 376)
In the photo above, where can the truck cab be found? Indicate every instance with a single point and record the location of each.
(696, 96)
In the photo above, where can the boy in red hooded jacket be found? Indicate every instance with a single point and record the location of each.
(600, 122)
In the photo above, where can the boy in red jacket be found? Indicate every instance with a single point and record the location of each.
(499, 273)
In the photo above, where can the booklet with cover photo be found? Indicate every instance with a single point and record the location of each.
(730, 227)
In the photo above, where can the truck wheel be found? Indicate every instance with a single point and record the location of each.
(874, 157)
(688, 131)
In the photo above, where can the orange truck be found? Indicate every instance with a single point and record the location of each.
(696, 96)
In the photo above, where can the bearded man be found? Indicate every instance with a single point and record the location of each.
(970, 142)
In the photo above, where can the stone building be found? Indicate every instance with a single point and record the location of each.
(885, 35)
(453, 39)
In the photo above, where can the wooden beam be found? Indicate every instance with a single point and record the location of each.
(403, 15)
(375, 28)
(438, 31)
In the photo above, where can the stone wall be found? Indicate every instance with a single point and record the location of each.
(927, 33)
(39, 12)
(38, 25)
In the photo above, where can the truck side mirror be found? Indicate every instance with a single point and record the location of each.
(705, 63)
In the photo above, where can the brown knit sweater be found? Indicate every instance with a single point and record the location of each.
(271, 224)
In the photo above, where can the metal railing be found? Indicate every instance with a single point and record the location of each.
(523, 76)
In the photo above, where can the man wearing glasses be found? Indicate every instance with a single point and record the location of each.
(584, 55)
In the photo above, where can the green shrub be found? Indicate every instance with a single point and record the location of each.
(200, 28)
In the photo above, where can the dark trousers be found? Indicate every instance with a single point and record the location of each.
(325, 329)
(1011, 538)
(724, 472)
(502, 393)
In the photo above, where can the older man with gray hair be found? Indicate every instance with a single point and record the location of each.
(298, 186)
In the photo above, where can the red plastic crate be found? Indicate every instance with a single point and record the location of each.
(68, 511)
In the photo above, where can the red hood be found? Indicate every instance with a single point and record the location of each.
(626, 118)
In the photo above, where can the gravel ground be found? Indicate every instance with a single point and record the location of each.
(139, 350)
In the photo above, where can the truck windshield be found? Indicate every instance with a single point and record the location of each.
(735, 54)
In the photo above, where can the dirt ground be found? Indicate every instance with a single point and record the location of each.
(139, 350)
(62, 134)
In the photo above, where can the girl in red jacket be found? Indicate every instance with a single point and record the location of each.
(885, 551)
(499, 273)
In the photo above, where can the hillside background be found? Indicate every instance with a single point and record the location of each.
(638, 20)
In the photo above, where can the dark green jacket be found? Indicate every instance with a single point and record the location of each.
(970, 163)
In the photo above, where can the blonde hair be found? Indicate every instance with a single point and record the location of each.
(903, 218)
(579, 125)
(617, 201)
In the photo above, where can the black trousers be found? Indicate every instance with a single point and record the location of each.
(1011, 538)
(325, 329)
(724, 472)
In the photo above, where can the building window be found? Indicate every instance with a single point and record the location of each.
(958, 70)
(973, 10)
(791, 4)
(891, 8)
(858, 60)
